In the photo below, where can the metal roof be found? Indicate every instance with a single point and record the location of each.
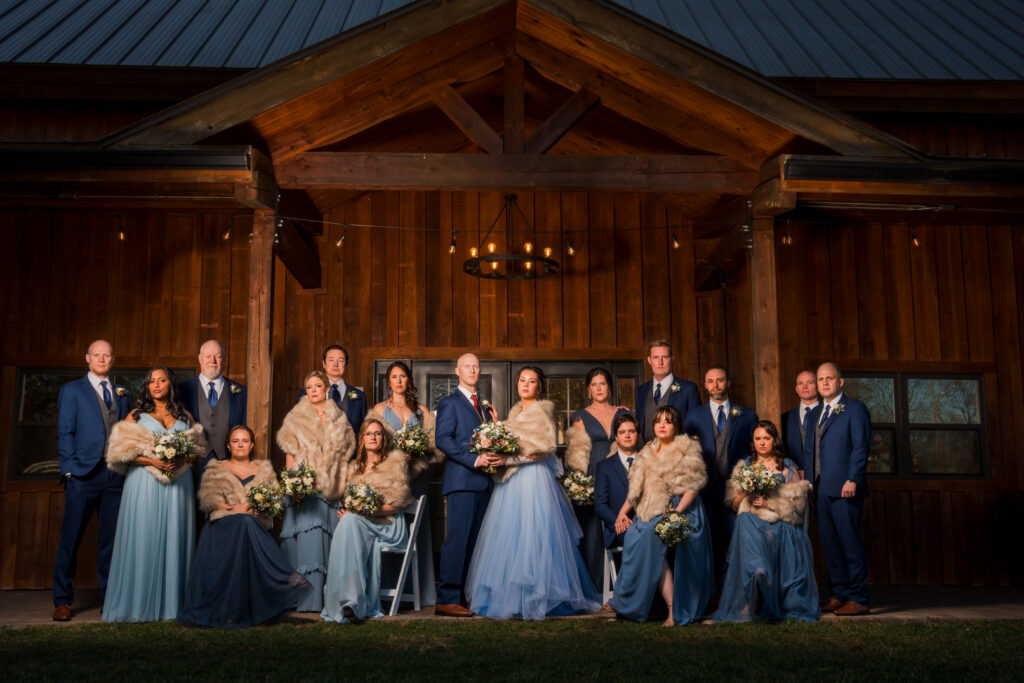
(873, 39)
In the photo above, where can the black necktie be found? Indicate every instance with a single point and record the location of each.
(721, 419)
(629, 462)
(657, 392)
(335, 394)
(213, 396)
(107, 398)
(824, 415)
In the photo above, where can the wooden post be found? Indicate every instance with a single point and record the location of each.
(765, 323)
(259, 358)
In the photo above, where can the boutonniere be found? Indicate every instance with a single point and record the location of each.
(120, 391)
(235, 389)
(352, 394)
(735, 411)
(484, 403)
(840, 407)
(676, 386)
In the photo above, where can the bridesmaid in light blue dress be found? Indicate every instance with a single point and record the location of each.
(352, 588)
(526, 563)
(596, 421)
(400, 410)
(770, 571)
(156, 528)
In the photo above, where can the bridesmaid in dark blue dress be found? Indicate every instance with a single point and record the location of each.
(239, 576)
(596, 422)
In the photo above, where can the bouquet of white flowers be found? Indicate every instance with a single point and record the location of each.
(496, 438)
(412, 439)
(362, 499)
(580, 487)
(674, 527)
(174, 446)
(298, 482)
(756, 479)
(266, 499)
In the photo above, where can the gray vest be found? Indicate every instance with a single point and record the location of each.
(215, 421)
(109, 415)
(650, 408)
(721, 440)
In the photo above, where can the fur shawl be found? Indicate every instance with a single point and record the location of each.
(577, 450)
(325, 449)
(787, 503)
(390, 479)
(128, 440)
(655, 478)
(535, 429)
(221, 485)
(434, 454)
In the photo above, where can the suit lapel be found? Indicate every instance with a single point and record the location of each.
(828, 422)
(623, 475)
(93, 400)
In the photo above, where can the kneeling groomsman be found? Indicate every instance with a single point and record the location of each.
(612, 477)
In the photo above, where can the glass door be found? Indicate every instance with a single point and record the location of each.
(435, 379)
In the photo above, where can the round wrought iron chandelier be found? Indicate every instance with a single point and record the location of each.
(485, 261)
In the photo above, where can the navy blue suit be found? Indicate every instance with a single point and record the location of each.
(81, 442)
(843, 453)
(684, 400)
(800, 453)
(468, 490)
(356, 411)
(188, 394)
(737, 447)
(610, 488)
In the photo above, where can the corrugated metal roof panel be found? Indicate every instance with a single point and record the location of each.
(902, 39)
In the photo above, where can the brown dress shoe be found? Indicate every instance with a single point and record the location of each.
(852, 609)
(452, 611)
(62, 613)
(832, 605)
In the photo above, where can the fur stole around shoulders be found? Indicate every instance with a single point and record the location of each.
(656, 477)
(534, 427)
(577, 449)
(390, 479)
(221, 485)
(326, 449)
(434, 454)
(787, 503)
(129, 440)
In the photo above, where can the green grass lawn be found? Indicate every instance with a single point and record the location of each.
(556, 649)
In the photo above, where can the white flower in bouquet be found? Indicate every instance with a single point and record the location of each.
(299, 482)
(266, 499)
(674, 527)
(756, 479)
(580, 487)
(175, 445)
(495, 438)
(412, 439)
(363, 499)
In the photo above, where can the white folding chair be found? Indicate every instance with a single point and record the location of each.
(610, 574)
(409, 561)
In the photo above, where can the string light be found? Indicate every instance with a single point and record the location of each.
(474, 252)
(120, 228)
(344, 232)
(528, 248)
(914, 241)
(451, 246)
(231, 224)
(568, 242)
(675, 241)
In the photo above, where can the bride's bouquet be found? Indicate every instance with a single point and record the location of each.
(674, 527)
(174, 446)
(363, 499)
(756, 479)
(266, 499)
(412, 439)
(496, 438)
(298, 482)
(580, 487)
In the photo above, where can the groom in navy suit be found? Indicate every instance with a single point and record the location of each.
(842, 435)
(351, 400)
(87, 410)
(217, 403)
(796, 424)
(725, 430)
(466, 486)
(663, 390)
(612, 477)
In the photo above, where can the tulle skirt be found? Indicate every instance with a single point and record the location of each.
(526, 561)
(306, 541)
(770, 573)
(353, 575)
(239, 576)
(156, 530)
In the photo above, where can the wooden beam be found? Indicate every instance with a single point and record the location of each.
(298, 253)
(467, 119)
(298, 205)
(371, 171)
(770, 199)
(765, 321)
(258, 91)
(725, 258)
(559, 123)
(722, 218)
(259, 373)
(514, 132)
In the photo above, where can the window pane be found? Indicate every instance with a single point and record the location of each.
(935, 451)
(439, 386)
(874, 392)
(568, 394)
(626, 392)
(39, 402)
(943, 401)
(37, 452)
(882, 455)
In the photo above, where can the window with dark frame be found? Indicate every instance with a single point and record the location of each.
(927, 425)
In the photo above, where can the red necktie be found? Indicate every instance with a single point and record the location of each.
(476, 404)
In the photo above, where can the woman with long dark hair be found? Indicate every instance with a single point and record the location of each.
(156, 525)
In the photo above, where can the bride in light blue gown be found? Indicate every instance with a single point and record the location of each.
(770, 571)
(156, 527)
(526, 561)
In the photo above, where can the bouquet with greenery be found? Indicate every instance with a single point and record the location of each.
(495, 438)
(266, 499)
(174, 446)
(412, 439)
(580, 487)
(363, 499)
(298, 482)
(756, 479)
(674, 527)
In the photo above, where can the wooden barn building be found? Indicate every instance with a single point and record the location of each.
(768, 185)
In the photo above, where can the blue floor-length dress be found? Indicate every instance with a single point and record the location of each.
(526, 561)
(592, 544)
(771, 570)
(239, 577)
(153, 544)
(306, 532)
